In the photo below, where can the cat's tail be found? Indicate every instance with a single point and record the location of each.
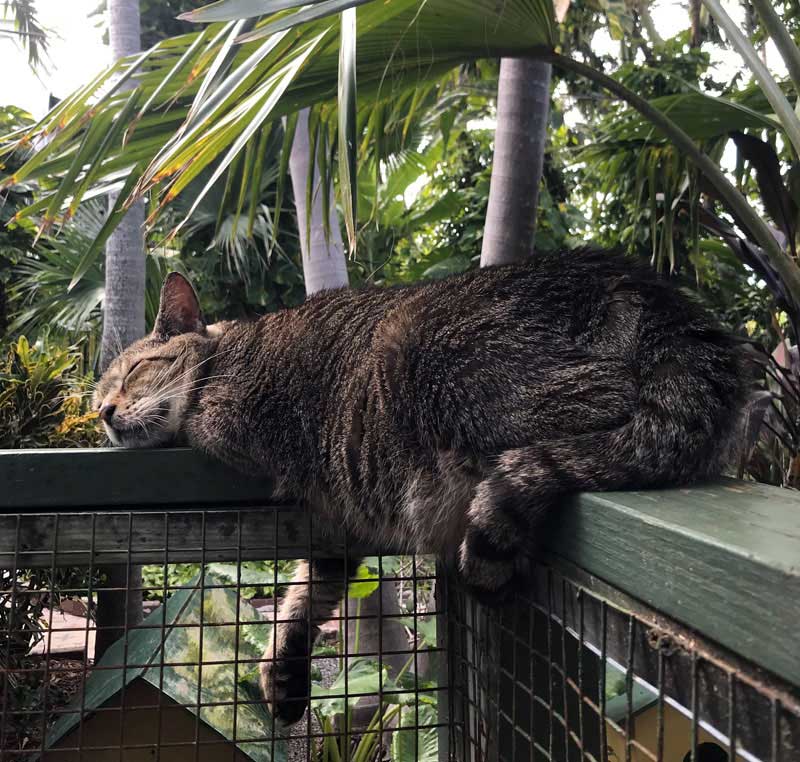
(691, 388)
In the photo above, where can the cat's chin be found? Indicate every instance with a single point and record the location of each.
(138, 440)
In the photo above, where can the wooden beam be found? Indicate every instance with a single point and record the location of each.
(107, 478)
(167, 535)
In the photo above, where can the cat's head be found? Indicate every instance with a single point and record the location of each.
(143, 395)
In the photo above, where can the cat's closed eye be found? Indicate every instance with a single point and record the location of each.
(147, 362)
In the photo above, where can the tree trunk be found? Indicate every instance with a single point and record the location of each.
(123, 303)
(123, 323)
(523, 99)
(324, 263)
(324, 267)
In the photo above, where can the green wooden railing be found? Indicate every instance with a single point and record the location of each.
(723, 558)
(721, 561)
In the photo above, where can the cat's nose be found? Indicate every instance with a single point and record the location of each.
(107, 411)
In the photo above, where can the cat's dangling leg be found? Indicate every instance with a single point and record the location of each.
(520, 490)
(309, 602)
(495, 548)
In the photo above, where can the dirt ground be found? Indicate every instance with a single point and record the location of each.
(25, 695)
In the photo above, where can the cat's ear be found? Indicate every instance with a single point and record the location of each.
(179, 310)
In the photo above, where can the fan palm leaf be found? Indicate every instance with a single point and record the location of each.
(160, 137)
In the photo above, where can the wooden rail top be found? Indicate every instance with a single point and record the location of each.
(724, 559)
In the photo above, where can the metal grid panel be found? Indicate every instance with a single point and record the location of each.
(570, 669)
(573, 670)
(183, 684)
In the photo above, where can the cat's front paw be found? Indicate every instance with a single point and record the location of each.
(491, 574)
(492, 557)
(286, 676)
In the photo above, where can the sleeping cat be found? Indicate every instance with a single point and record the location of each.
(451, 415)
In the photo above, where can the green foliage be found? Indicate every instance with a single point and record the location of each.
(20, 20)
(40, 298)
(254, 579)
(422, 744)
(203, 101)
(440, 232)
(15, 237)
(406, 699)
(43, 398)
(242, 263)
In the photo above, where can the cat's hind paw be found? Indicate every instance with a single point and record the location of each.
(286, 679)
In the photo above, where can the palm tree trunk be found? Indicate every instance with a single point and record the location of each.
(324, 263)
(325, 267)
(123, 303)
(123, 322)
(523, 99)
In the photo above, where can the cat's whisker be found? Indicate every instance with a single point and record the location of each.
(188, 387)
(195, 366)
(154, 383)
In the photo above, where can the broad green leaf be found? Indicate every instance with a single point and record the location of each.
(362, 676)
(357, 589)
(701, 116)
(230, 10)
(319, 11)
(417, 743)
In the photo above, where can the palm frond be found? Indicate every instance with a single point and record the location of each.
(189, 112)
(27, 28)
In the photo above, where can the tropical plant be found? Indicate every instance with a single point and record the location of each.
(405, 700)
(15, 238)
(25, 26)
(41, 302)
(202, 96)
(43, 398)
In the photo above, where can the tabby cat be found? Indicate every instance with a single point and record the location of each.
(451, 415)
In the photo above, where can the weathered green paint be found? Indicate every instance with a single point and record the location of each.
(724, 559)
(49, 479)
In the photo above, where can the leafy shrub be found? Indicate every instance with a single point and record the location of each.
(43, 399)
(255, 579)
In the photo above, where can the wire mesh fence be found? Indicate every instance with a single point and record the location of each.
(184, 682)
(407, 666)
(572, 669)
